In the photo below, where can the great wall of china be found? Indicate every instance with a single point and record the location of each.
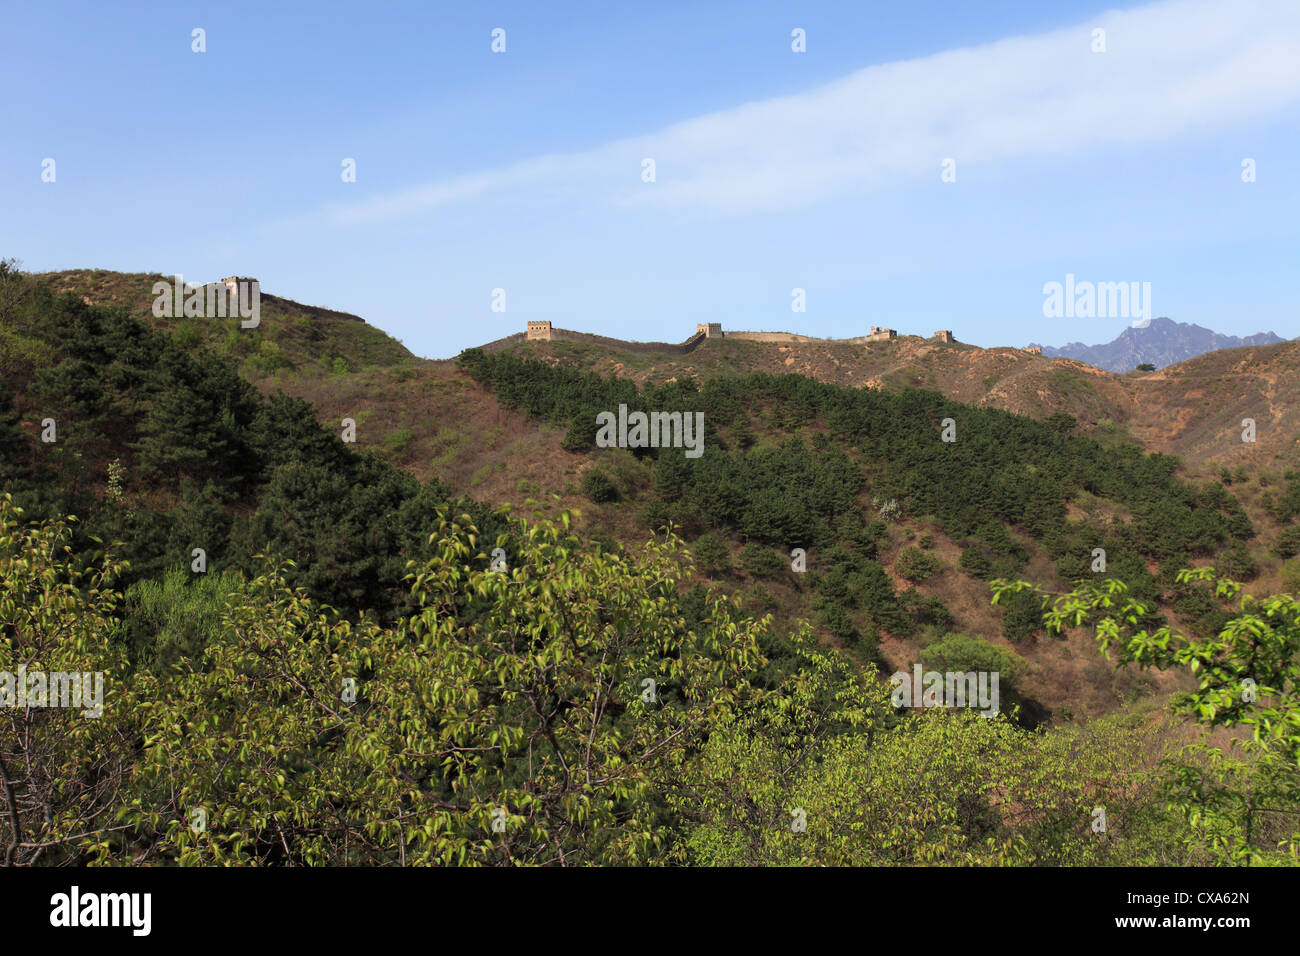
(543, 331)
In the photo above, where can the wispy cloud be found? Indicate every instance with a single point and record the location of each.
(1169, 69)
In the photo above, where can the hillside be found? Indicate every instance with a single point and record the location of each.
(442, 424)
(1193, 409)
(293, 337)
(836, 537)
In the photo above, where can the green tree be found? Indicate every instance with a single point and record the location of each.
(711, 554)
(916, 565)
(518, 728)
(1241, 803)
(63, 770)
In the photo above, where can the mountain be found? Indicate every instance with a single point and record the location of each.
(1162, 342)
(429, 418)
(177, 436)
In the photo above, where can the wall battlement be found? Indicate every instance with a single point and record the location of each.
(543, 331)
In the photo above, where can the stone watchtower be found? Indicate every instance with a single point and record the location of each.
(538, 330)
(881, 335)
(944, 335)
(232, 283)
(710, 329)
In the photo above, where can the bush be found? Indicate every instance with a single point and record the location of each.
(957, 652)
(915, 565)
(655, 514)
(927, 611)
(599, 487)
(1237, 563)
(1291, 576)
(398, 442)
(1288, 542)
(269, 356)
(1022, 617)
(711, 554)
(762, 562)
(975, 563)
(835, 619)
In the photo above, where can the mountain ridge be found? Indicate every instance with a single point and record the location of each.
(1161, 342)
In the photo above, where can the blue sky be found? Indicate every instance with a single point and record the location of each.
(775, 170)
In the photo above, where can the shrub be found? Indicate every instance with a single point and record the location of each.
(762, 562)
(975, 563)
(1237, 562)
(398, 442)
(599, 487)
(1288, 542)
(1022, 617)
(1291, 576)
(957, 652)
(835, 619)
(711, 554)
(913, 564)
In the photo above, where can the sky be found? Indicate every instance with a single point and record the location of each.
(774, 170)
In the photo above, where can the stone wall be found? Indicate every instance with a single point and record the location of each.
(771, 337)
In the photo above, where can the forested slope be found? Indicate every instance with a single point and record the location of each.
(363, 669)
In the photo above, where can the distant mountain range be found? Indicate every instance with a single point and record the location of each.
(1162, 342)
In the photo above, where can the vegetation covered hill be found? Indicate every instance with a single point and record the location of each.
(340, 657)
(295, 338)
(1193, 409)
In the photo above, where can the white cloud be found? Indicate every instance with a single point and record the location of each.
(1170, 69)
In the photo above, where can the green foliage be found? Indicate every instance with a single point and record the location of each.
(711, 554)
(1237, 563)
(763, 562)
(828, 775)
(599, 487)
(960, 653)
(171, 620)
(1287, 544)
(1007, 471)
(1022, 616)
(975, 562)
(397, 443)
(913, 564)
(835, 619)
(1291, 575)
(457, 722)
(1241, 806)
(509, 719)
(61, 773)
